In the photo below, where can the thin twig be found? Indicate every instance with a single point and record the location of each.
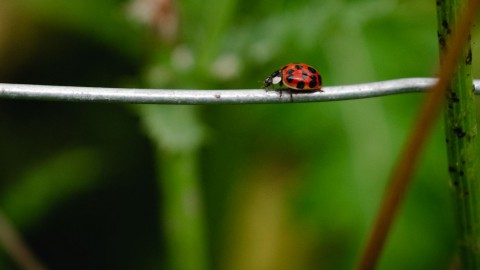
(185, 96)
(16, 247)
(429, 112)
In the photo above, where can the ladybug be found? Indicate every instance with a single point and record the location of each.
(296, 76)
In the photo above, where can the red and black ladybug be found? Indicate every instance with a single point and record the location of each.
(296, 76)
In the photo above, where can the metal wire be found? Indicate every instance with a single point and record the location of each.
(243, 96)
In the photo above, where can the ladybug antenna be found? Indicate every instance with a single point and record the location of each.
(262, 84)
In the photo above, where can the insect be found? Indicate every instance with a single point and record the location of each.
(295, 76)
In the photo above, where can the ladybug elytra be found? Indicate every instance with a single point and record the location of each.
(295, 76)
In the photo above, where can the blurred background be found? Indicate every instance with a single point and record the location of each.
(282, 186)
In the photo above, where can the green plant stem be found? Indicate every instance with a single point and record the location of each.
(461, 131)
(177, 135)
(183, 215)
(403, 171)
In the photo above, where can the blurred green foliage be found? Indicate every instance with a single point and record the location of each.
(80, 180)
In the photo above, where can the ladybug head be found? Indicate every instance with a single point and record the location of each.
(267, 82)
(275, 78)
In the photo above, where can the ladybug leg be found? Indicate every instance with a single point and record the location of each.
(280, 88)
(274, 90)
(269, 88)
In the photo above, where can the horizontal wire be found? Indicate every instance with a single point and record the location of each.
(240, 96)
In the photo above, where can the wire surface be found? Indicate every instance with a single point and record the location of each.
(241, 96)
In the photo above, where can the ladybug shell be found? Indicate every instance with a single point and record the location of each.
(301, 77)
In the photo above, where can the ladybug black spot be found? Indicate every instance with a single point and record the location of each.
(304, 75)
(298, 67)
(311, 70)
(300, 85)
(290, 71)
(312, 83)
(290, 78)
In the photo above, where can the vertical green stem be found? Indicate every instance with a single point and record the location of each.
(183, 215)
(177, 135)
(461, 131)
